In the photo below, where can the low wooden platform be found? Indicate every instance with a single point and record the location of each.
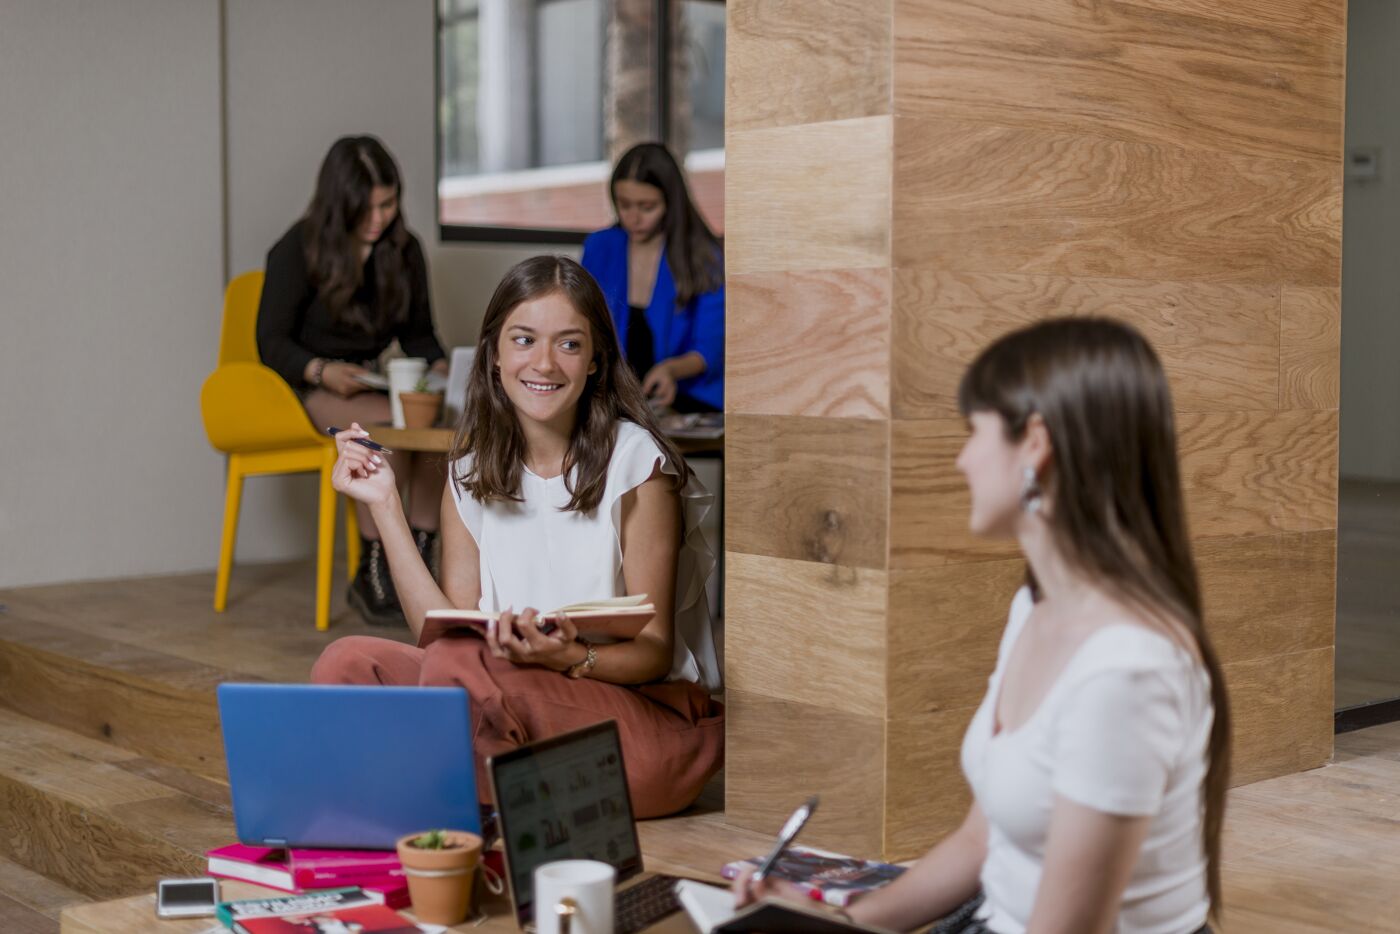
(111, 771)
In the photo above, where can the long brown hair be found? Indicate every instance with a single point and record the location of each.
(1115, 487)
(353, 168)
(489, 430)
(692, 250)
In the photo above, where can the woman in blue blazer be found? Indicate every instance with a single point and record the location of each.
(662, 271)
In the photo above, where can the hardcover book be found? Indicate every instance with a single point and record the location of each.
(319, 869)
(262, 865)
(825, 877)
(613, 617)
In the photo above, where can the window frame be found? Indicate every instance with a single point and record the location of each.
(661, 123)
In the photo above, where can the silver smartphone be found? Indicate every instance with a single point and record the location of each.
(186, 898)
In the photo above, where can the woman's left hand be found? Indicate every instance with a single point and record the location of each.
(659, 385)
(558, 650)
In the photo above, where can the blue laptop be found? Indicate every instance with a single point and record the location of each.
(347, 767)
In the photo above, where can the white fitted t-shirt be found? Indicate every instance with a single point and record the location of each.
(536, 553)
(1124, 729)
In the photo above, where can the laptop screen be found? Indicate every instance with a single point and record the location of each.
(564, 798)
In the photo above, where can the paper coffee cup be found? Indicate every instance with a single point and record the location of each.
(404, 374)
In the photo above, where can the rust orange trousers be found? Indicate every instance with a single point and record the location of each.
(672, 733)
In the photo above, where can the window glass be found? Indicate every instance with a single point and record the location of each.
(536, 97)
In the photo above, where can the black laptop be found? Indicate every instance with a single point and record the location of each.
(566, 798)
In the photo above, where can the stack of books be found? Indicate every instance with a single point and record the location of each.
(377, 872)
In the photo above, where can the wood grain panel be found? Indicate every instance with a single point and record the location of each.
(1310, 360)
(995, 199)
(925, 792)
(808, 343)
(1244, 473)
(778, 752)
(815, 196)
(1219, 343)
(1322, 18)
(945, 624)
(1257, 85)
(1268, 594)
(781, 58)
(1249, 473)
(786, 620)
(807, 488)
(1282, 714)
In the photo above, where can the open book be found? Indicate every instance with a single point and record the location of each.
(610, 617)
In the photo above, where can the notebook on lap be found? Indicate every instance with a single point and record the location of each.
(567, 798)
(347, 767)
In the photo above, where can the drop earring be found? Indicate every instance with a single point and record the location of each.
(1030, 492)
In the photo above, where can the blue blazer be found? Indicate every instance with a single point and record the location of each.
(676, 329)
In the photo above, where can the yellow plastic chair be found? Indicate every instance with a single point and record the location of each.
(253, 416)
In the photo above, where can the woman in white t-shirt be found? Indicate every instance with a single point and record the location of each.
(1099, 758)
(562, 489)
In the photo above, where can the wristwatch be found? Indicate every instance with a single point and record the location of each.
(582, 668)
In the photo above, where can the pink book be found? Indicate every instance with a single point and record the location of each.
(319, 869)
(257, 864)
(394, 894)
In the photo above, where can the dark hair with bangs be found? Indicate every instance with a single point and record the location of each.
(353, 168)
(489, 429)
(1114, 486)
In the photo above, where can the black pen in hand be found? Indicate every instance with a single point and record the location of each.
(372, 445)
(785, 838)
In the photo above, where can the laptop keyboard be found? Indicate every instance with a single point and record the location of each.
(644, 904)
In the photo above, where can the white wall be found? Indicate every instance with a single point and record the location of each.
(110, 277)
(1370, 410)
(112, 247)
(300, 76)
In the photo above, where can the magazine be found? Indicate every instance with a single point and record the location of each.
(326, 912)
(826, 877)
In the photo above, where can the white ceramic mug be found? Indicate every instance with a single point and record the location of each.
(404, 374)
(574, 896)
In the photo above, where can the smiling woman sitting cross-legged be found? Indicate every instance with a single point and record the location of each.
(561, 490)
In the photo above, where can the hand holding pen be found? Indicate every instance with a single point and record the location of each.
(362, 470)
(362, 438)
(751, 886)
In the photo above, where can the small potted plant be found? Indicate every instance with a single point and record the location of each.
(420, 407)
(441, 868)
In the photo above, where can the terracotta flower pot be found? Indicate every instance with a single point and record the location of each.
(420, 409)
(440, 881)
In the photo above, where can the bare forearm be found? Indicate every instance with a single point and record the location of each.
(686, 365)
(636, 661)
(944, 878)
(418, 592)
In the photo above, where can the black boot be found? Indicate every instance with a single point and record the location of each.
(427, 548)
(372, 593)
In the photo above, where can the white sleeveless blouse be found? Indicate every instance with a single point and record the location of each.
(537, 554)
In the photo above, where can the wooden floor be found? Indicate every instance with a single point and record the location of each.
(79, 664)
(1368, 591)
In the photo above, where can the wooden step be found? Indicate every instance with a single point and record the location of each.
(31, 903)
(158, 705)
(102, 820)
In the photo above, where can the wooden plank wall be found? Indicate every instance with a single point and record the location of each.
(908, 179)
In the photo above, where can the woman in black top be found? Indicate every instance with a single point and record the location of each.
(342, 283)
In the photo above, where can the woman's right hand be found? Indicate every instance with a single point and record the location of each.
(746, 891)
(340, 378)
(360, 473)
